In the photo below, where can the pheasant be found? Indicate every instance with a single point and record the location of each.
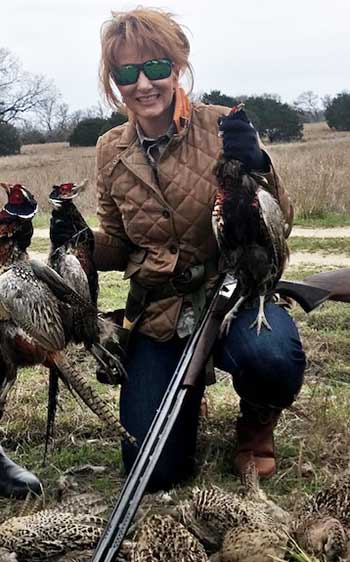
(73, 525)
(164, 539)
(80, 272)
(240, 528)
(73, 260)
(36, 310)
(322, 525)
(249, 228)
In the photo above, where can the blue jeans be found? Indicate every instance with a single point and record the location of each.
(267, 370)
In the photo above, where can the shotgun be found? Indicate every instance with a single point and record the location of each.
(190, 367)
(337, 283)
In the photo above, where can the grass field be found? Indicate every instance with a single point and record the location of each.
(315, 171)
(312, 439)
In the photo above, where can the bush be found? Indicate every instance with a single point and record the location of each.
(32, 136)
(337, 113)
(273, 119)
(10, 142)
(87, 132)
(115, 119)
(276, 121)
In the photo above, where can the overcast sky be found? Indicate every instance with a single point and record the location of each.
(246, 47)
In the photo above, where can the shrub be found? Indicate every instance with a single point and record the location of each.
(115, 119)
(87, 132)
(32, 136)
(337, 112)
(274, 120)
(10, 142)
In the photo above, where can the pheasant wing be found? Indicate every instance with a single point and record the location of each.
(74, 275)
(32, 307)
(273, 219)
(58, 286)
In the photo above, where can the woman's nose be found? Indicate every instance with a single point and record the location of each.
(143, 82)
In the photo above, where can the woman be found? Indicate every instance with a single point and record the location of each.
(156, 191)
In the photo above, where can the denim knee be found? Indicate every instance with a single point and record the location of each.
(266, 369)
(273, 381)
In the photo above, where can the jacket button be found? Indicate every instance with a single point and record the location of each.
(166, 214)
(173, 249)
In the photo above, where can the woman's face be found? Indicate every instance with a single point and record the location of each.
(149, 100)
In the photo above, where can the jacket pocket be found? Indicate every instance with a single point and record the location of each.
(136, 260)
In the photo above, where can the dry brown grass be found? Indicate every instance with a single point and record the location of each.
(316, 171)
(39, 167)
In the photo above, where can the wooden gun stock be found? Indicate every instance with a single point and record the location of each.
(337, 283)
(308, 296)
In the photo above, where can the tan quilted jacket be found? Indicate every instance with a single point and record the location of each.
(156, 228)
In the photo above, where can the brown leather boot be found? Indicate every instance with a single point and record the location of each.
(255, 439)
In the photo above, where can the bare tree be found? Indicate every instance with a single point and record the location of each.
(20, 92)
(308, 103)
(52, 112)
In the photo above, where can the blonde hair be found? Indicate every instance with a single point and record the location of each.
(143, 28)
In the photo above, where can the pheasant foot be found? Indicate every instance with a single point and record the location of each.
(231, 315)
(260, 320)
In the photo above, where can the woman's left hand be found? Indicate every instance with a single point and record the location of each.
(240, 141)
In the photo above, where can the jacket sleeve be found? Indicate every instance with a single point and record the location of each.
(112, 246)
(275, 186)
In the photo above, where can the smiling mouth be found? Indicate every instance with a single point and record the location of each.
(147, 99)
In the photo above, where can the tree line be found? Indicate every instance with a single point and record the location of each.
(32, 110)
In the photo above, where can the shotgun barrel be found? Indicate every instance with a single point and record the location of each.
(153, 444)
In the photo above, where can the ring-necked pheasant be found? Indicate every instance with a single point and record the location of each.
(62, 531)
(164, 539)
(72, 258)
(250, 230)
(245, 527)
(322, 525)
(36, 309)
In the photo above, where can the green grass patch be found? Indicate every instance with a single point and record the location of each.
(327, 220)
(113, 290)
(322, 245)
(42, 220)
(41, 245)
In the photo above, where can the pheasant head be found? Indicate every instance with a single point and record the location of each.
(65, 192)
(21, 202)
(16, 217)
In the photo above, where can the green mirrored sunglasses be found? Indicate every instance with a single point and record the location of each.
(154, 69)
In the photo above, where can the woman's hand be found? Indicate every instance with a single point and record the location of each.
(240, 141)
